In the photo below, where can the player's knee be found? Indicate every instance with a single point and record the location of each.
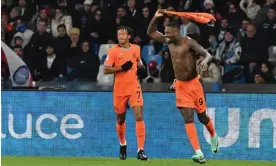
(189, 120)
(204, 119)
(139, 117)
(121, 120)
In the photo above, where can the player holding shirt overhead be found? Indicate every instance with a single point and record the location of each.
(123, 60)
(188, 88)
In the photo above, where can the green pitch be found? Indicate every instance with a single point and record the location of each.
(78, 161)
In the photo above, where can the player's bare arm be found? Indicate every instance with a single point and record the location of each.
(140, 64)
(152, 29)
(199, 49)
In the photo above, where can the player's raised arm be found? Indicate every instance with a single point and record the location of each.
(152, 29)
(199, 49)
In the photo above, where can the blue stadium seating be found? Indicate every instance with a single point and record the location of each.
(147, 51)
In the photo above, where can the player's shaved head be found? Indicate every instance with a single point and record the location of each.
(172, 32)
(174, 25)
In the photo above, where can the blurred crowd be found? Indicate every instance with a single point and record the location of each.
(60, 39)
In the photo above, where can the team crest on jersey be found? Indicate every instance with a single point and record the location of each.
(121, 56)
(134, 55)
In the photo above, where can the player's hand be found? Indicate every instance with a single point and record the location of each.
(126, 66)
(172, 87)
(203, 66)
(159, 13)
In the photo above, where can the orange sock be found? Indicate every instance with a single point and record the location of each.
(141, 134)
(192, 135)
(121, 132)
(210, 128)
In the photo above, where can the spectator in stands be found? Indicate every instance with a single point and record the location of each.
(213, 45)
(122, 18)
(266, 70)
(62, 43)
(5, 22)
(223, 26)
(41, 38)
(242, 31)
(85, 14)
(251, 52)
(4, 7)
(208, 4)
(8, 27)
(142, 24)
(85, 66)
(189, 5)
(14, 13)
(43, 14)
(212, 74)
(262, 13)
(18, 40)
(235, 16)
(167, 72)
(19, 51)
(27, 10)
(18, 46)
(258, 78)
(37, 44)
(97, 29)
(152, 4)
(132, 9)
(75, 43)
(23, 31)
(250, 7)
(229, 51)
(94, 7)
(50, 66)
(188, 27)
(61, 18)
(268, 30)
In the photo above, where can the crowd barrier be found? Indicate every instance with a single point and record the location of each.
(41, 123)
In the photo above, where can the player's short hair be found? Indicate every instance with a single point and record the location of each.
(174, 25)
(126, 28)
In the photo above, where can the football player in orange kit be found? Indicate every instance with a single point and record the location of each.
(124, 60)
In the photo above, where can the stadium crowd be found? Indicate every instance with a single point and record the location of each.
(60, 39)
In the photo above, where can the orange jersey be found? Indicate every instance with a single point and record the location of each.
(125, 81)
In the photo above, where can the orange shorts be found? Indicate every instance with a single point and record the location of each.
(190, 94)
(135, 99)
